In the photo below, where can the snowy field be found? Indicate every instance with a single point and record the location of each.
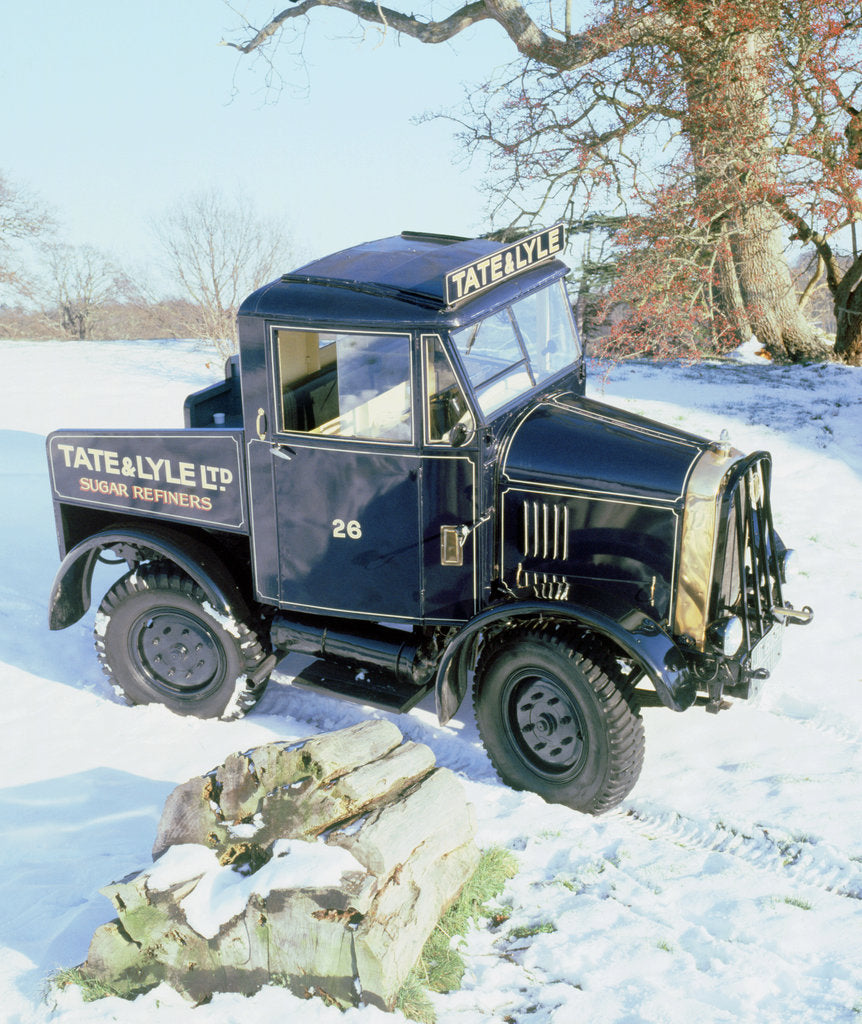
(727, 888)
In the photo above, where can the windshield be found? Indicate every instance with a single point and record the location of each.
(518, 348)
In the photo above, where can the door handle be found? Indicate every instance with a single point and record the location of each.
(465, 531)
(283, 452)
(260, 424)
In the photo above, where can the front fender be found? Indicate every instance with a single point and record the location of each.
(70, 594)
(639, 637)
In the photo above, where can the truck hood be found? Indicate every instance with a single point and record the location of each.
(568, 442)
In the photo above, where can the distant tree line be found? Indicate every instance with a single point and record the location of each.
(112, 319)
(215, 251)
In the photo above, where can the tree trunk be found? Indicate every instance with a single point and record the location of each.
(729, 132)
(322, 866)
(768, 291)
(848, 315)
(728, 292)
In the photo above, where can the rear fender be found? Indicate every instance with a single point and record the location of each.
(637, 635)
(71, 592)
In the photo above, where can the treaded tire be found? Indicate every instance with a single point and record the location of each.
(159, 641)
(553, 720)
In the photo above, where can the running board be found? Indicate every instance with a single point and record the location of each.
(361, 685)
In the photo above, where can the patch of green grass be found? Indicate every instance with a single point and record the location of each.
(665, 946)
(413, 999)
(795, 901)
(91, 988)
(496, 867)
(528, 931)
(440, 967)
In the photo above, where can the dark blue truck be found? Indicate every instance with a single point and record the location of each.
(401, 476)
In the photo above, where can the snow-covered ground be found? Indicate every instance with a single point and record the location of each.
(726, 888)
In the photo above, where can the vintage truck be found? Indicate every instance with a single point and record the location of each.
(401, 476)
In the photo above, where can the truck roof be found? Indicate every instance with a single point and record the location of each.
(406, 278)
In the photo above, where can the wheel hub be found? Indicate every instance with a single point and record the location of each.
(177, 651)
(546, 725)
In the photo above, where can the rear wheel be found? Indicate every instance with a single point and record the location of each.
(554, 720)
(160, 641)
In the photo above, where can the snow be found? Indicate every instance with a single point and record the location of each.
(180, 863)
(222, 893)
(234, 705)
(726, 888)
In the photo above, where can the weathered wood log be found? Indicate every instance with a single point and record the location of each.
(425, 865)
(322, 865)
(273, 777)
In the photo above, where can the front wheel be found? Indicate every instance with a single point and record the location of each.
(554, 720)
(160, 641)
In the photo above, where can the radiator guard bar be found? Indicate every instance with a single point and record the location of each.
(748, 573)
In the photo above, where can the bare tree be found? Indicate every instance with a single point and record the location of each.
(218, 251)
(22, 217)
(80, 282)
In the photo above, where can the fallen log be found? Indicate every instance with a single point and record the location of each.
(322, 865)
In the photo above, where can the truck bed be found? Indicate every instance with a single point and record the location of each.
(193, 476)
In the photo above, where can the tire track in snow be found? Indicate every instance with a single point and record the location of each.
(803, 861)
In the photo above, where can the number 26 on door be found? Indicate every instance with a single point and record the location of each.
(351, 530)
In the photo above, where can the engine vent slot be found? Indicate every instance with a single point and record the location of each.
(545, 530)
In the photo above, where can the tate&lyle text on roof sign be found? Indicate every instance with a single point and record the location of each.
(490, 270)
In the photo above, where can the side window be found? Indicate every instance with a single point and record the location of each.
(345, 385)
(446, 403)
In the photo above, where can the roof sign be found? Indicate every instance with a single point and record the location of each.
(503, 264)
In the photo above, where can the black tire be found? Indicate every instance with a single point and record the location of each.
(160, 641)
(553, 719)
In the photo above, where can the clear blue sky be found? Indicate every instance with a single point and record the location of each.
(112, 111)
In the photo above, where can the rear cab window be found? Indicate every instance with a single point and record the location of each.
(345, 384)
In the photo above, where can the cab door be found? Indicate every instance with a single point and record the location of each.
(453, 526)
(344, 469)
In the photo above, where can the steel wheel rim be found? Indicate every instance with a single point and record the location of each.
(545, 724)
(178, 653)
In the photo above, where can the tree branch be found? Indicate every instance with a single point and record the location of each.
(573, 52)
(365, 10)
(806, 233)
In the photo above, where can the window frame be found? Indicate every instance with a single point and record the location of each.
(524, 363)
(337, 331)
(427, 341)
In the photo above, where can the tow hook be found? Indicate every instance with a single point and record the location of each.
(716, 703)
(794, 616)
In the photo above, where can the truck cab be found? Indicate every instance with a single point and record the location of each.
(401, 475)
(378, 418)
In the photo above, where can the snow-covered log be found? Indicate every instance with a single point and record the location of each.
(321, 865)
